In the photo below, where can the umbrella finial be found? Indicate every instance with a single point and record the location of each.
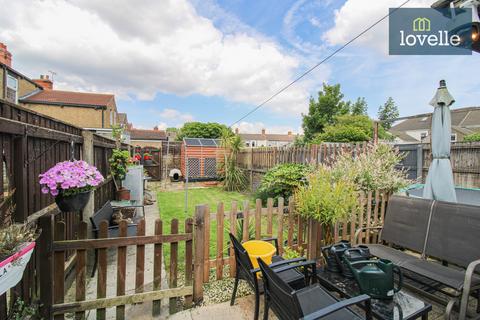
(443, 84)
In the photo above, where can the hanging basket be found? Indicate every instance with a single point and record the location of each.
(73, 203)
(12, 268)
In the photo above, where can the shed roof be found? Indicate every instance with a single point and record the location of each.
(69, 98)
(201, 142)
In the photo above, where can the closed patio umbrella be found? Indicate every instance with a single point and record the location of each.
(439, 183)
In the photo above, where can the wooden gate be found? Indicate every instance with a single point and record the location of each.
(53, 276)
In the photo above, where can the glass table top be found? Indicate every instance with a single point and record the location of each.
(403, 306)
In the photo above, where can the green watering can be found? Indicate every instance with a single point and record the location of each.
(375, 277)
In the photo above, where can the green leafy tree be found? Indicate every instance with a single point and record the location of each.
(324, 110)
(359, 107)
(387, 113)
(172, 129)
(472, 137)
(350, 128)
(210, 130)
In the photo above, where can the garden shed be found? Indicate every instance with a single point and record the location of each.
(200, 157)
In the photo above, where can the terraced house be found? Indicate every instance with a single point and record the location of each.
(93, 111)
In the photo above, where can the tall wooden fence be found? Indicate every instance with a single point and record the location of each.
(257, 161)
(30, 144)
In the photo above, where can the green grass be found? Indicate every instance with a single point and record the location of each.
(172, 206)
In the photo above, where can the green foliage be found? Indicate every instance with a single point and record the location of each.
(387, 113)
(118, 163)
(239, 230)
(233, 177)
(326, 198)
(373, 170)
(117, 132)
(324, 110)
(291, 253)
(350, 128)
(359, 107)
(22, 311)
(327, 110)
(172, 129)
(472, 137)
(282, 181)
(299, 141)
(210, 130)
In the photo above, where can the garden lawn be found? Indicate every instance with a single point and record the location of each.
(172, 206)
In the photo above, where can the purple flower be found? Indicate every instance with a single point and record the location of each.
(70, 175)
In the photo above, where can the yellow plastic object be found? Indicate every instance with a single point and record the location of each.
(259, 249)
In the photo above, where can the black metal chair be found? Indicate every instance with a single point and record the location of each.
(245, 271)
(312, 302)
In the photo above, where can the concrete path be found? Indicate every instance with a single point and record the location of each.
(242, 310)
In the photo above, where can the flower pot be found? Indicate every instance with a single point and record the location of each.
(147, 162)
(123, 194)
(12, 268)
(72, 203)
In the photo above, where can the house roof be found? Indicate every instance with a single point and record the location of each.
(59, 97)
(461, 118)
(267, 137)
(140, 134)
(19, 74)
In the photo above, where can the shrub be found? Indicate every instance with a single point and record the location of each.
(326, 198)
(118, 163)
(281, 181)
(472, 137)
(373, 170)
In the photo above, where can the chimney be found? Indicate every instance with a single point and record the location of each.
(5, 55)
(289, 133)
(155, 128)
(263, 131)
(236, 131)
(44, 82)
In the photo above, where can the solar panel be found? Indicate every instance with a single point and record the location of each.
(192, 142)
(208, 142)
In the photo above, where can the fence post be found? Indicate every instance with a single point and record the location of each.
(45, 242)
(420, 162)
(199, 240)
(87, 154)
(20, 178)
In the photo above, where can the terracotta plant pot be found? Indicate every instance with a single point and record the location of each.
(123, 194)
(72, 203)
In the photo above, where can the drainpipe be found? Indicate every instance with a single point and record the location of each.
(103, 118)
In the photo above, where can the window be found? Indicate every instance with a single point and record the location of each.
(453, 137)
(12, 89)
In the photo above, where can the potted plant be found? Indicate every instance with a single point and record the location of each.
(147, 159)
(118, 168)
(137, 158)
(326, 199)
(71, 183)
(17, 242)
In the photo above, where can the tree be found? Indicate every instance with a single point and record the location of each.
(359, 107)
(172, 129)
(210, 130)
(350, 128)
(324, 110)
(387, 113)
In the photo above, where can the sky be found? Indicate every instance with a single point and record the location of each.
(173, 61)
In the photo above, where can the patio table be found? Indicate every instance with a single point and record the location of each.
(403, 306)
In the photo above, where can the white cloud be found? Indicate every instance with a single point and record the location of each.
(356, 15)
(175, 115)
(140, 48)
(256, 127)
